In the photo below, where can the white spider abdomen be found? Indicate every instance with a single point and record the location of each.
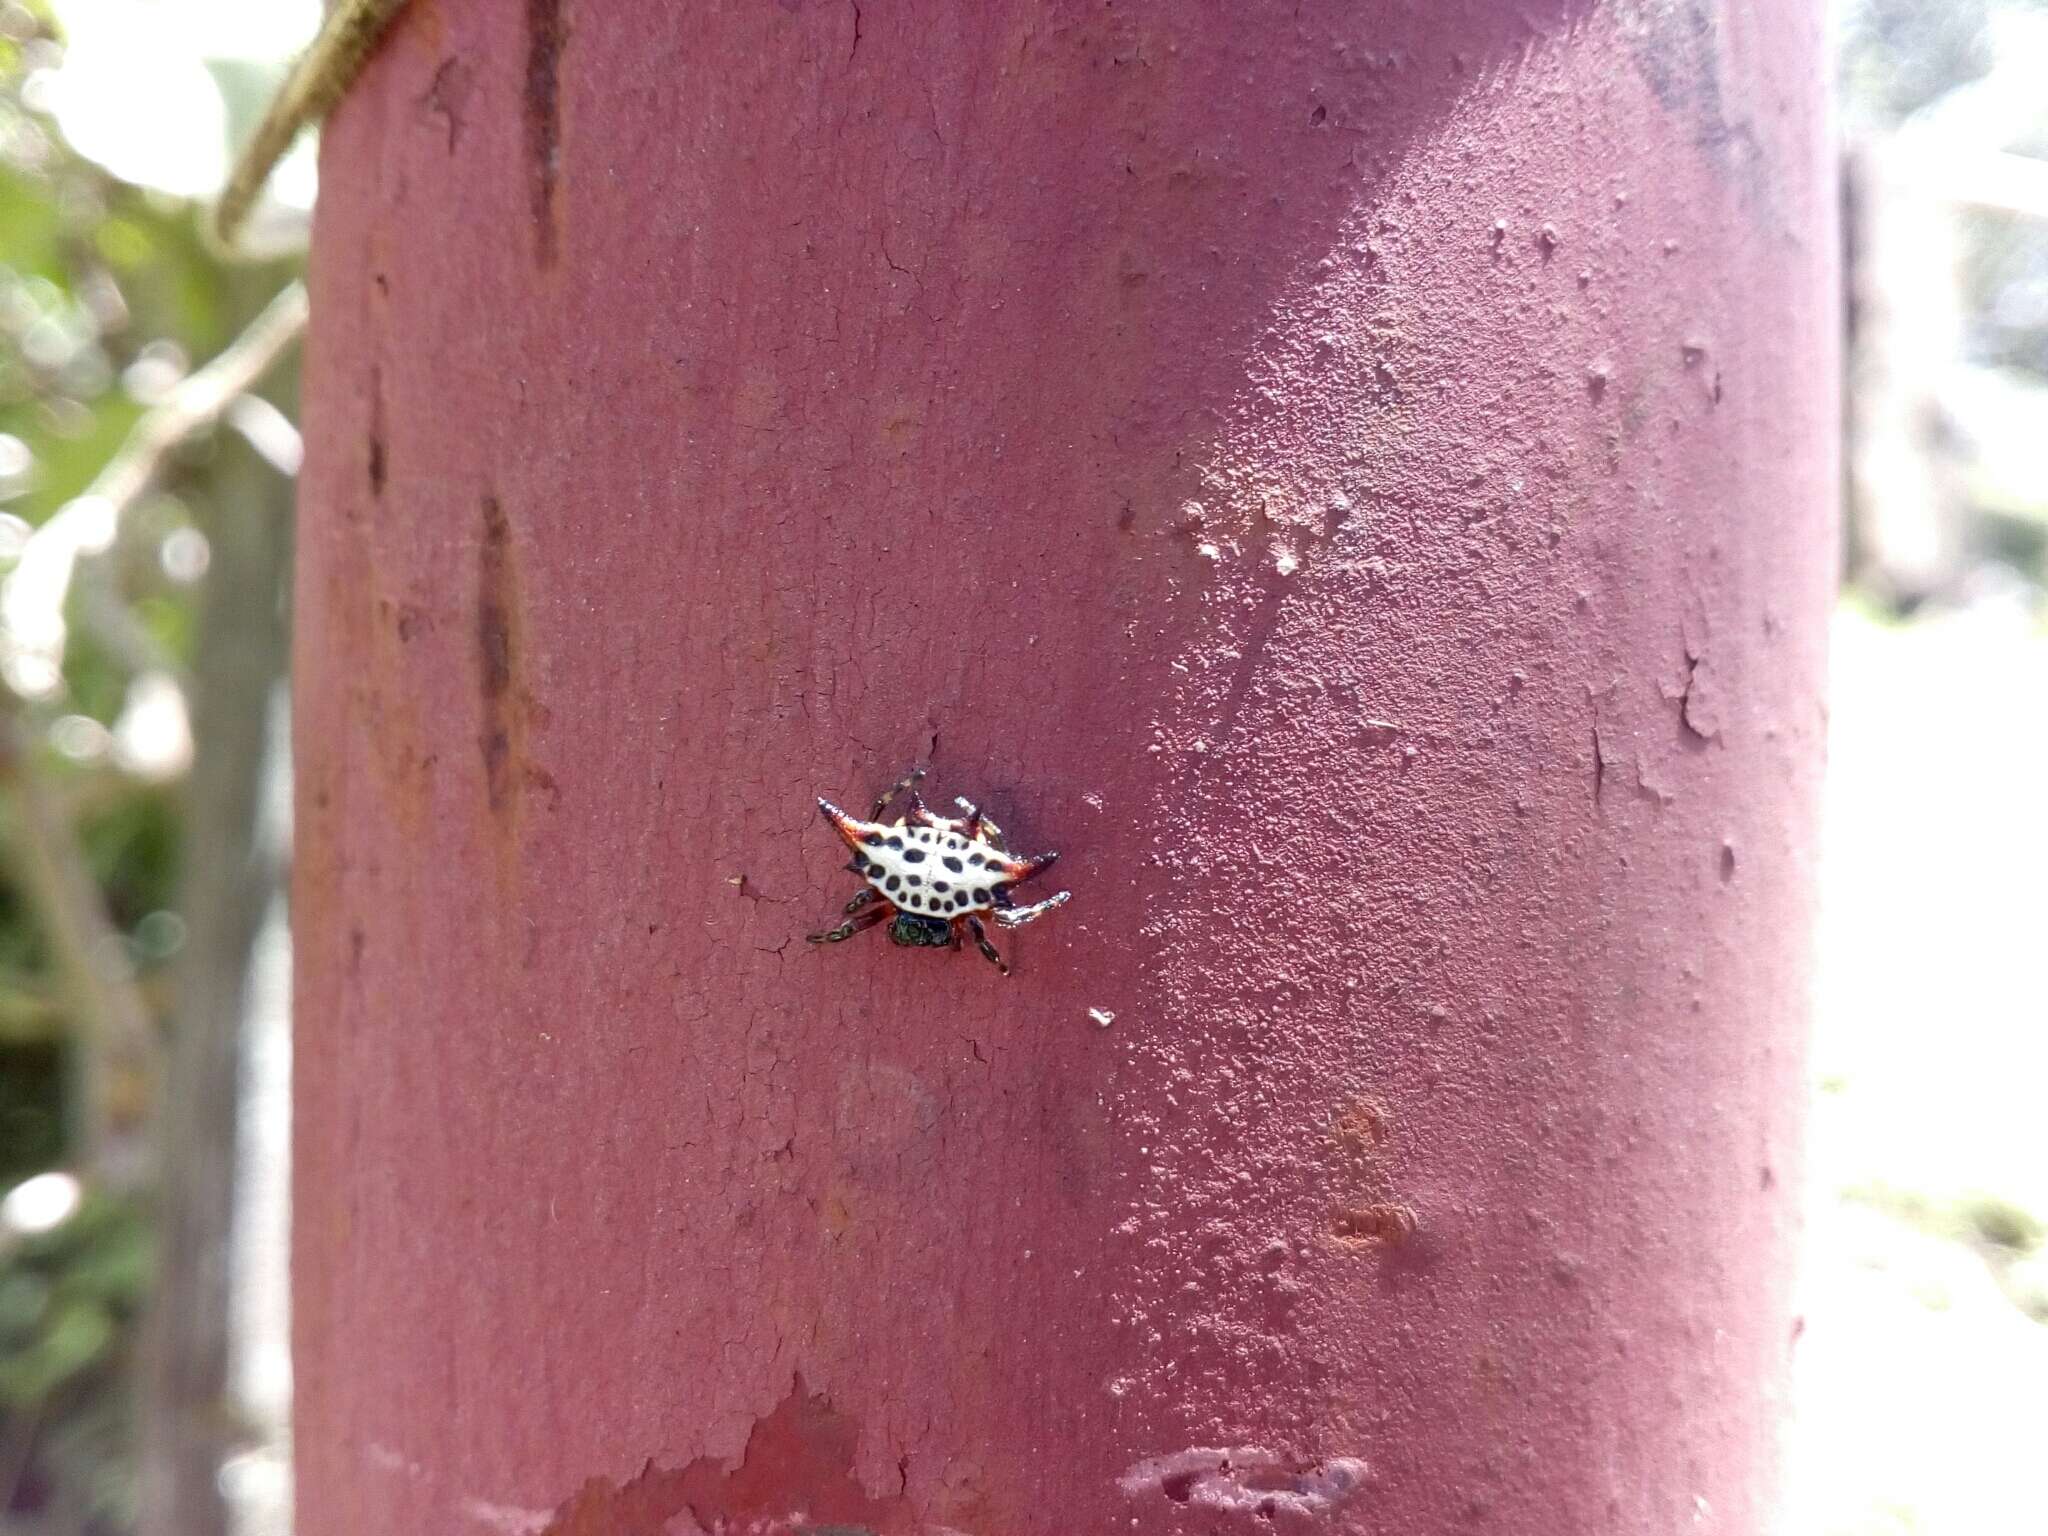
(931, 872)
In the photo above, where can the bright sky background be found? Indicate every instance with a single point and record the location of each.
(135, 92)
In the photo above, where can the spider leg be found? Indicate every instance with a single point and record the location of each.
(907, 782)
(987, 949)
(877, 912)
(1017, 917)
(867, 894)
(976, 822)
(1024, 869)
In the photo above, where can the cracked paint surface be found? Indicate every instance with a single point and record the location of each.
(1378, 466)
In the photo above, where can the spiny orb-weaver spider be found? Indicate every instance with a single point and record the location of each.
(932, 874)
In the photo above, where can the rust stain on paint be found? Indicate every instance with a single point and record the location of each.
(1369, 1225)
(1361, 1126)
(796, 1474)
(508, 711)
(1369, 1217)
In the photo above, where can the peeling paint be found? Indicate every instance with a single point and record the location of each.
(1246, 1480)
(795, 1476)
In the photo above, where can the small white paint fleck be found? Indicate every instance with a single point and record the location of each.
(1102, 1016)
(1284, 560)
(1093, 802)
(1208, 551)
(381, 1455)
(508, 1519)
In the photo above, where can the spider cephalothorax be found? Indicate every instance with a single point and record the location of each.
(933, 875)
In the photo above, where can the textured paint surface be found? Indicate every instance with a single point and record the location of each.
(1357, 479)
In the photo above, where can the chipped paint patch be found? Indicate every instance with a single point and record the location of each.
(1246, 1480)
(795, 1476)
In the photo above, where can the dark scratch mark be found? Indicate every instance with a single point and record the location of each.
(546, 34)
(375, 465)
(446, 96)
(495, 651)
(856, 33)
(1599, 764)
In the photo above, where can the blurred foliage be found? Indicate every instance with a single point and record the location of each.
(70, 1300)
(108, 296)
(1944, 103)
(1897, 56)
(2005, 288)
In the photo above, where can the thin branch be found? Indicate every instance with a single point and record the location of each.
(34, 594)
(200, 398)
(321, 77)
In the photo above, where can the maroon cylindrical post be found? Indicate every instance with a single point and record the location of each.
(1357, 480)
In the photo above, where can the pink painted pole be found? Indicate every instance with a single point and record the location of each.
(1358, 480)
